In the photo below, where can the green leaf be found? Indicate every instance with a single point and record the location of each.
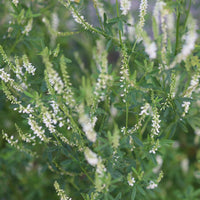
(141, 190)
(133, 194)
(67, 60)
(119, 196)
(28, 94)
(137, 141)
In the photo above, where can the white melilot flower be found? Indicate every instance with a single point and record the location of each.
(155, 123)
(159, 6)
(87, 124)
(143, 11)
(152, 185)
(197, 131)
(48, 121)
(159, 162)
(36, 128)
(100, 167)
(125, 6)
(131, 182)
(130, 179)
(55, 21)
(88, 127)
(28, 66)
(185, 165)
(150, 49)
(100, 8)
(145, 109)
(186, 105)
(5, 76)
(91, 157)
(61, 192)
(153, 151)
(80, 19)
(55, 81)
(26, 110)
(15, 2)
(190, 38)
(193, 84)
(28, 27)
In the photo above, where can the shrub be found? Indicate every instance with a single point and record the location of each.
(101, 97)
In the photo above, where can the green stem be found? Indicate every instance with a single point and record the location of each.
(118, 15)
(99, 18)
(187, 14)
(87, 175)
(127, 116)
(177, 32)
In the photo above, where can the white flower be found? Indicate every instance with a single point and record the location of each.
(155, 123)
(143, 11)
(28, 66)
(100, 8)
(100, 167)
(185, 165)
(55, 21)
(132, 181)
(55, 81)
(87, 124)
(144, 109)
(5, 76)
(152, 185)
(150, 49)
(159, 6)
(36, 128)
(15, 2)
(125, 6)
(49, 121)
(186, 105)
(91, 157)
(190, 38)
(61, 192)
(28, 27)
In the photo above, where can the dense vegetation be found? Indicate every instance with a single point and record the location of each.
(99, 100)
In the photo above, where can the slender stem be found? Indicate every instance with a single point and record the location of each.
(87, 175)
(127, 115)
(132, 50)
(187, 14)
(118, 15)
(99, 18)
(177, 32)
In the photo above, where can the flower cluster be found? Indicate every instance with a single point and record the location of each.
(103, 79)
(28, 27)
(125, 6)
(87, 124)
(91, 157)
(155, 123)
(188, 93)
(28, 66)
(131, 179)
(143, 11)
(190, 38)
(152, 185)
(124, 79)
(37, 130)
(15, 2)
(61, 192)
(5, 77)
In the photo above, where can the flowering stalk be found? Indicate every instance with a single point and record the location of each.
(125, 6)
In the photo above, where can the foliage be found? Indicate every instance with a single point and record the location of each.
(99, 100)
